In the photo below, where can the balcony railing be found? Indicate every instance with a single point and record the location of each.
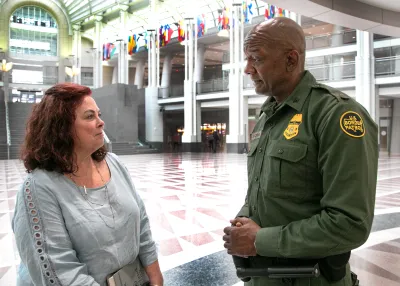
(47, 80)
(331, 40)
(334, 72)
(387, 66)
(88, 81)
(176, 90)
(214, 85)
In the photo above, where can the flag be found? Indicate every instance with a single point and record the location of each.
(113, 48)
(167, 33)
(267, 16)
(225, 19)
(161, 40)
(132, 44)
(250, 11)
(220, 21)
(200, 25)
(181, 31)
(271, 11)
(245, 11)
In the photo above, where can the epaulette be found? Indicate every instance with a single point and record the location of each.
(340, 96)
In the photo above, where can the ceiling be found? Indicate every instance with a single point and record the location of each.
(392, 5)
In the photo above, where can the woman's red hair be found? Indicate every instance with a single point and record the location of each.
(49, 143)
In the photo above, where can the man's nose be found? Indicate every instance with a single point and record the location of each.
(249, 69)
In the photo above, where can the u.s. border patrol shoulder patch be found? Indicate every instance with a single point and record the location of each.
(352, 124)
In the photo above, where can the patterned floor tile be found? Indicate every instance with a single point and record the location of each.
(190, 198)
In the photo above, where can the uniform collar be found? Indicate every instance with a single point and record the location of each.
(296, 99)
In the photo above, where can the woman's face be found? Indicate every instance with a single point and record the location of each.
(88, 126)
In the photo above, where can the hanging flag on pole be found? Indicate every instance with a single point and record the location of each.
(272, 12)
(181, 31)
(250, 11)
(267, 15)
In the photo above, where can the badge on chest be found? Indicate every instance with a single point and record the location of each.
(293, 128)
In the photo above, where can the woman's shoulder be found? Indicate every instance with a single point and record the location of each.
(114, 159)
(40, 179)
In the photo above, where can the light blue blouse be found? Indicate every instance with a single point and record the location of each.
(63, 237)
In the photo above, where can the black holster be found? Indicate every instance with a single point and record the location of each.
(333, 268)
(241, 263)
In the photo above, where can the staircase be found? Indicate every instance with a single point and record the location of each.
(18, 113)
(127, 148)
(3, 131)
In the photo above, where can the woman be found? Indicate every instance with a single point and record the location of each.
(78, 217)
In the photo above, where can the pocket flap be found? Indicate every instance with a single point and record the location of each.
(289, 151)
(253, 147)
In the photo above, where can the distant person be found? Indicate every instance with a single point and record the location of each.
(312, 170)
(78, 217)
(215, 140)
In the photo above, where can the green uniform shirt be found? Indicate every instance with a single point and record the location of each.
(312, 172)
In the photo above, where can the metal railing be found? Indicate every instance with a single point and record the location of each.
(48, 80)
(214, 85)
(387, 66)
(88, 81)
(176, 90)
(331, 40)
(334, 72)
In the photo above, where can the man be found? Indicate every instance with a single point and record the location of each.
(215, 141)
(312, 167)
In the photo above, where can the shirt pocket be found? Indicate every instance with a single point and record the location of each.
(287, 169)
(251, 156)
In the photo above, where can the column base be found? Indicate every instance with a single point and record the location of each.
(195, 147)
(157, 145)
(239, 148)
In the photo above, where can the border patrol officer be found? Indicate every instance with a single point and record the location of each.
(312, 167)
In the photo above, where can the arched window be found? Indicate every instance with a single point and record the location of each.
(33, 31)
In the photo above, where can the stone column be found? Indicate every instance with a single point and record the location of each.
(365, 76)
(238, 106)
(336, 67)
(123, 68)
(98, 53)
(394, 131)
(166, 75)
(139, 74)
(77, 52)
(154, 116)
(191, 139)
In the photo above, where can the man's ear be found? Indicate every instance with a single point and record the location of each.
(292, 60)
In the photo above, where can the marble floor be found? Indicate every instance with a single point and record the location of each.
(190, 199)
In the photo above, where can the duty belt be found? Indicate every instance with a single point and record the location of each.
(333, 268)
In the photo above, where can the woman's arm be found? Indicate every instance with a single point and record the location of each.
(154, 273)
(42, 239)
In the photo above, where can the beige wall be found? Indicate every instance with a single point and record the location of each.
(107, 75)
(64, 40)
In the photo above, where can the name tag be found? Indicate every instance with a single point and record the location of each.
(255, 135)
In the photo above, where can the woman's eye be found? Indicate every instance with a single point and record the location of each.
(99, 114)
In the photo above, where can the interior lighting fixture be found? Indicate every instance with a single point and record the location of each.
(71, 72)
(5, 67)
